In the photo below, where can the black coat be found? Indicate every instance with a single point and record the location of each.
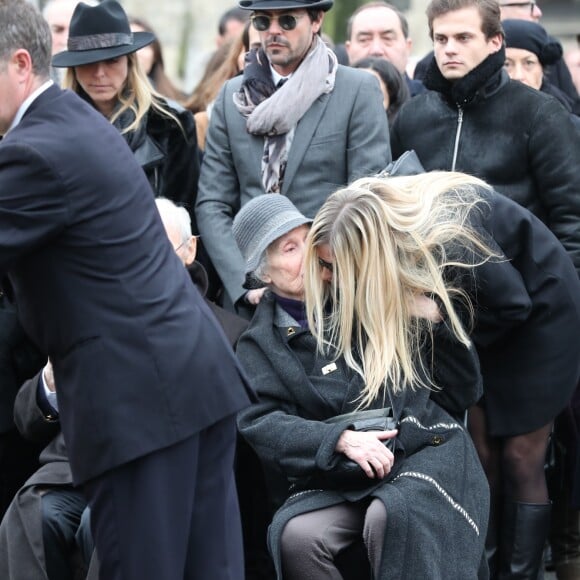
(436, 497)
(19, 360)
(21, 544)
(520, 141)
(168, 153)
(527, 319)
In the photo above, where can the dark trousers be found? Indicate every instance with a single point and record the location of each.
(61, 515)
(172, 514)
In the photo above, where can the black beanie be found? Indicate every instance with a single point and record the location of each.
(532, 37)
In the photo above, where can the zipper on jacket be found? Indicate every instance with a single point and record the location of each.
(457, 136)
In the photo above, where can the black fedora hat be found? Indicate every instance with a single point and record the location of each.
(285, 4)
(99, 33)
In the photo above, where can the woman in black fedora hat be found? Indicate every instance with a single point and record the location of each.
(103, 69)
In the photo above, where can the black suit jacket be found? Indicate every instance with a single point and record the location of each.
(138, 358)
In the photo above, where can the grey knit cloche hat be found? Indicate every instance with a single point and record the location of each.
(262, 221)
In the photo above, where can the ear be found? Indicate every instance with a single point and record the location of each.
(317, 24)
(191, 249)
(21, 62)
(495, 43)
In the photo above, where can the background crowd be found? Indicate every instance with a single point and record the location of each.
(366, 235)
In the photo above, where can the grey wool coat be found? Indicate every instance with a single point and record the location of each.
(436, 497)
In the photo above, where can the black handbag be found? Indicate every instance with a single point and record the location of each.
(346, 473)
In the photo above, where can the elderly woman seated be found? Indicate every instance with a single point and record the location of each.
(361, 356)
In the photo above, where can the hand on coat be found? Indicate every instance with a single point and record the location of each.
(366, 449)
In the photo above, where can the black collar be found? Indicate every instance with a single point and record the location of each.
(486, 77)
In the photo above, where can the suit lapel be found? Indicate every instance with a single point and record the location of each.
(302, 138)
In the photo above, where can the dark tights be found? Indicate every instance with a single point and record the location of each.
(514, 465)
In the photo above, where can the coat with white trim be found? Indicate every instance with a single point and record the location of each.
(436, 497)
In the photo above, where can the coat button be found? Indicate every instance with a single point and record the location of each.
(437, 440)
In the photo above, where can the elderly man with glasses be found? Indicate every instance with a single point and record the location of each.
(323, 128)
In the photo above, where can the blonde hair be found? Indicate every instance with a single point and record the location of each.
(222, 67)
(137, 94)
(391, 240)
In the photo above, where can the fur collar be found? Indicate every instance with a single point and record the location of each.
(483, 79)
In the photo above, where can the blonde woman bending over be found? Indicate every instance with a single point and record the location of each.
(525, 325)
(380, 335)
(527, 334)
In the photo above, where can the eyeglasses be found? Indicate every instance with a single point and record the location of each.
(262, 22)
(532, 5)
(324, 264)
(177, 248)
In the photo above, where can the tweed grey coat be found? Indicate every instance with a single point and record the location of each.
(436, 497)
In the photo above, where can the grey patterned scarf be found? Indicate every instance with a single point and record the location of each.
(274, 114)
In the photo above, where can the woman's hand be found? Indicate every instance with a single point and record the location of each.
(424, 307)
(367, 450)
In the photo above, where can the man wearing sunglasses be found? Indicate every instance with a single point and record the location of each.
(323, 128)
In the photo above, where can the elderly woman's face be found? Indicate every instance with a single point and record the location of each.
(284, 273)
(524, 66)
(103, 81)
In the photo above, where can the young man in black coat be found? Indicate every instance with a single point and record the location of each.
(476, 120)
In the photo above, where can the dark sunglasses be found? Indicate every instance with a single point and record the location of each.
(324, 264)
(261, 22)
(532, 5)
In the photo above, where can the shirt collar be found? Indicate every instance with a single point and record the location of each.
(277, 77)
(27, 102)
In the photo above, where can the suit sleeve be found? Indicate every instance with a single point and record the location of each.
(33, 205)
(369, 149)
(219, 200)
(29, 416)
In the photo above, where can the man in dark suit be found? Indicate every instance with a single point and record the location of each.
(148, 387)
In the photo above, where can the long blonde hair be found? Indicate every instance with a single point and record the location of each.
(391, 240)
(137, 94)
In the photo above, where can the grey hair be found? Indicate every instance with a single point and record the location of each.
(23, 27)
(175, 216)
(262, 268)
